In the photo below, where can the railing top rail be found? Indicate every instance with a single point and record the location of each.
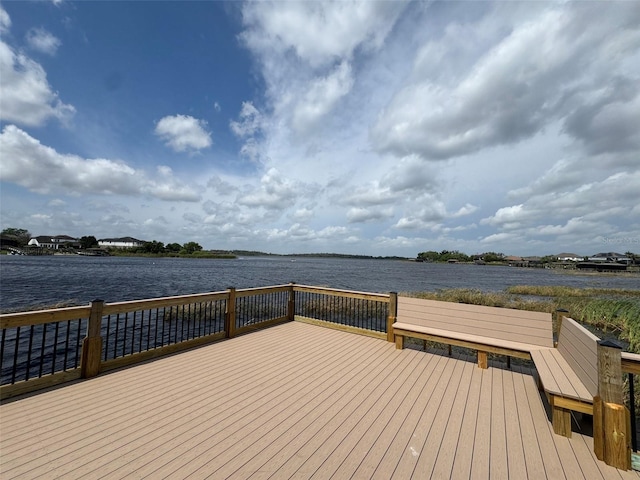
(378, 297)
(130, 306)
(631, 363)
(248, 292)
(21, 319)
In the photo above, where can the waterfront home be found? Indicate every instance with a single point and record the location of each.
(569, 257)
(123, 242)
(54, 242)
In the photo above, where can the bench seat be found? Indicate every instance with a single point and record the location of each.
(561, 383)
(467, 340)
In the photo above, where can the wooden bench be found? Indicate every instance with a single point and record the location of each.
(503, 331)
(569, 373)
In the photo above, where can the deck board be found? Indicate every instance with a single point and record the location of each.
(294, 401)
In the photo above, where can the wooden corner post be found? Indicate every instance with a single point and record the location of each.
(230, 314)
(291, 305)
(92, 343)
(611, 421)
(393, 313)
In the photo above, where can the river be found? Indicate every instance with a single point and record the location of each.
(29, 281)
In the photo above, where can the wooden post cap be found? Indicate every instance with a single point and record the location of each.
(610, 344)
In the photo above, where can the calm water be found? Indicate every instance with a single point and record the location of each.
(28, 281)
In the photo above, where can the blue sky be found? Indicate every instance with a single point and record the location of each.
(382, 128)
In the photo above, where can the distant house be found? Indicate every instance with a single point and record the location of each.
(53, 242)
(570, 257)
(124, 242)
(513, 258)
(610, 257)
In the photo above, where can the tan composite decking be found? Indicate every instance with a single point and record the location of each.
(294, 401)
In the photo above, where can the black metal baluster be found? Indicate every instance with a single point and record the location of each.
(66, 346)
(124, 334)
(115, 341)
(164, 321)
(133, 332)
(29, 353)
(4, 337)
(55, 348)
(15, 357)
(155, 332)
(632, 410)
(78, 343)
(106, 339)
(44, 335)
(141, 329)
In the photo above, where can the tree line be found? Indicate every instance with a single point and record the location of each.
(22, 237)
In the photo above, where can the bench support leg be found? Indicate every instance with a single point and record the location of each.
(399, 342)
(483, 360)
(561, 419)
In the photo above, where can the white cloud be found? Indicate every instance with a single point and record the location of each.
(43, 41)
(5, 21)
(250, 121)
(183, 133)
(26, 162)
(27, 97)
(468, 209)
(362, 215)
(318, 32)
(321, 97)
(275, 193)
(522, 82)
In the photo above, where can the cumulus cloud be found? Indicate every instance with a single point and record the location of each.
(183, 133)
(576, 214)
(27, 97)
(43, 41)
(363, 215)
(318, 32)
(321, 97)
(41, 169)
(275, 193)
(522, 82)
(248, 128)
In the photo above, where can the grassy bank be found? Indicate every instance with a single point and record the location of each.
(613, 311)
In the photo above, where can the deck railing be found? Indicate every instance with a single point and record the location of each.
(47, 347)
(357, 312)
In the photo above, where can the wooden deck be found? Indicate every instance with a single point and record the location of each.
(294, 401)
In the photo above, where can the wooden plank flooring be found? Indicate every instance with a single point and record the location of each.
(294, 401)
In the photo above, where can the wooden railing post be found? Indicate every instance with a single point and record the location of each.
(92, 343)
(230, 314)
(611, 420)
(291, 305)
(393, 313)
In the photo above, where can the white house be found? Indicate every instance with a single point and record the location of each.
(124, 242)
(570, 257)
(55, 243)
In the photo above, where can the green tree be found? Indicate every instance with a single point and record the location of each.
(191, 247)
(429, 256)
(153, 247)
(21, 235)
(492, 257)
(88, 242)
(173, 247)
